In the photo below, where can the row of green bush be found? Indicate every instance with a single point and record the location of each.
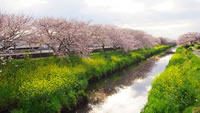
(46, 85)
(177, 89)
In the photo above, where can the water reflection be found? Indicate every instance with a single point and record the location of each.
(174, 49)
(125, 91)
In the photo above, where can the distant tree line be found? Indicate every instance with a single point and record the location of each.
(65, 37)
(189, 38)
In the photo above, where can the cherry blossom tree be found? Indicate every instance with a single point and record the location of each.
(12, 29)
(48, 30)
(64, 37)
(143, 38)
(67, 37)
(154, 41)
(134, 39)
(166, 41)
(99, 36)
(189, 38)
(1, 27)
(129, 42)
(1, 22)
(80, 36)
(115, 35)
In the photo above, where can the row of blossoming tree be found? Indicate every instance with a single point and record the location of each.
(189, 38)
(65, 37)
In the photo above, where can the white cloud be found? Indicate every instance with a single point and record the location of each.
(167, 18)
(116, 6)
(24, 4)
(167, 29)
(166, 6)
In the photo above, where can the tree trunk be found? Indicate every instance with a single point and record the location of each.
(103, 48)
(40, 50)
(14, 47)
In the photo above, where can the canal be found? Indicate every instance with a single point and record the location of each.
(125, 91)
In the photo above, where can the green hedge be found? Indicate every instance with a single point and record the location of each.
(177, 89)
(49, 84)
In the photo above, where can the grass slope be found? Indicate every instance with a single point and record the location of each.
(177, 89)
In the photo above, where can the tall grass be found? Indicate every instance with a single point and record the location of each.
(177, 89)
(46, 85)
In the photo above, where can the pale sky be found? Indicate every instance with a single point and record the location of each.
(169, 18)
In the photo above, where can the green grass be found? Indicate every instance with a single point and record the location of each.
(49, 84)
(197, 46)
(177, 89)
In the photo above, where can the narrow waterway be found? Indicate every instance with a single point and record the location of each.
(125, 91)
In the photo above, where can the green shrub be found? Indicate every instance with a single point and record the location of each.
(197, 46)
(186, 46)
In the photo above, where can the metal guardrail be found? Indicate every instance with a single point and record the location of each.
(37, 53)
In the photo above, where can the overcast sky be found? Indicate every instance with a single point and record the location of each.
(169, 18)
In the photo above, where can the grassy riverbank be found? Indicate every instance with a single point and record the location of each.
(177, 89)
(49, 84)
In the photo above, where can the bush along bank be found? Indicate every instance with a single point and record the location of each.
(177, 89)
(47, 85)
(197, 46)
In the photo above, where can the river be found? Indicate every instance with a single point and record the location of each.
(125, 91)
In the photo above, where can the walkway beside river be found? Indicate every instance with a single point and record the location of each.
(196, 52)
